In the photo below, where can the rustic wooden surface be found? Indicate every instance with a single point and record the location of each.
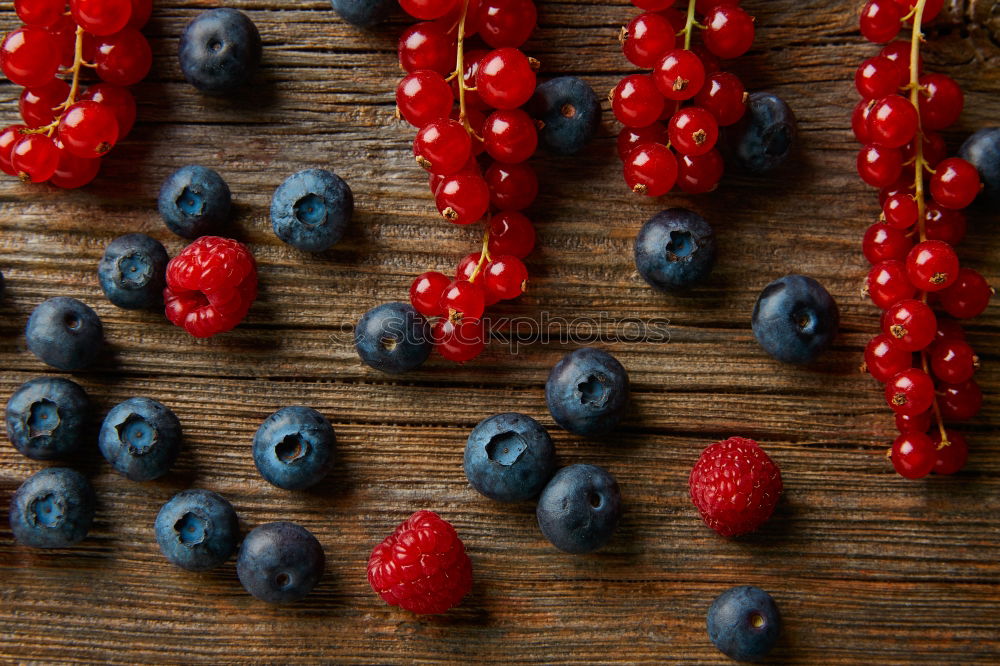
(865, 565)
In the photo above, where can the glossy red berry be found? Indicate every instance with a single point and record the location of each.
(8, 137)
(913, 455)
(442, 146)
(425, 10)
(944, 224)
(960, 402)
(631, 137)
(693, 131)
(510, 136)
(877, 77)
(884, 360)
(679, 74)
(511, 186)
(879, 166)
(506, 22)
(426, 45)
(505, 78)
(880, 20)
(646, 38)
(88, 129)
(116, 98)
(461, 299)
(941, 101)
(916, 423)
(463, 197)
(952, 457)
(953, 361)
(636, 102)
(64, 34)
(72, 171)
(40, 13)
(123, 58)
(955, 183)
(29, 57)
(723, 95)
(859, 120)
(471, 65)
(882, 242)
(37, 105)
(34, 158)
(459, 341)
(899, 53)
(932, 265)
(422, 97)
(426, 291)
(887, 283)
(101, 17)
(696, 175)
(900, 211)
(968, 296)
(510, 233)
(506, 277)
(892, 122)
(910, 392)
(467, 266)
(651, 169)
(909, 324)
(728, 31)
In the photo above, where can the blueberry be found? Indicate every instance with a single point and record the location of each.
(65, 333)
(195, 201)
(982, 149)
(579, 508)
(52, 509)
(197, 530)
(509, 457)
(220, 50)
(140, 438)
(311, 210)
(393, 338)
(587, 391)
(743, 622)
(46, 416)
(363, 13)
(133, 272)
(280, 562)
(795, 319)
(293, 448)
(762, 140)
(569, 113)
(675, 250)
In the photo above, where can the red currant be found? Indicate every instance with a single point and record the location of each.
(88, 129)
(64, 33)
(679, 74)
(425, 10)
(463, 197)
(510, 136)
(723, 95)
(693, 131)
(8, 137)
(943, 224)
(900, 211)
(728, 31)
(884, 360)
(442, 147)
(506, 277)
(116, 98)
(651, 169)
(931, 9)
(123, 58)
(968, 296)
(636, 102)
(426, 292)
(462, 299)
(40, 13)
(471, 65)
(467, 266)
(506, 22)
(892, 122)
(72, 171)
(646, 38)
(510, 233)
(459, 341)
(676, 17)
(37, 105)
(34, 158)
(948, 329)
(913, 455)
(882, 242)
(512, 186)
(916, 423)
(427, 46)
(631, 137)
(29, 57)
(955, 183)
(910, 392)
(141, 11)
(877, 77)
(696, 175)
(953, 361)
(505, 78)
(423, 96)
(934, 149)
(101, 17)
(859, 120)
(932, 265)
(960, 402)
(887, 283)
(952, 457)
(879, 166)
(899, 52)
(940, 101)
(909, 324)
(880, 20)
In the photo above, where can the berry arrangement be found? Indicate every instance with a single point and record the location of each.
(68, 128)
(915, 268)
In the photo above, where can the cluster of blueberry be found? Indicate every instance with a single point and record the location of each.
(911, 246)
(67, 129)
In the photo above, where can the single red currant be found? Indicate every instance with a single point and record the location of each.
(900, 211)
(88, 129)
(696, 175)
(879, 166)
(955, 183)
(651, 169)
(968, 296)
(512, 186)
(953, 361)
(679, 74)
(940, 101)
(34, 158)
(510, 233)
(123, 58)
(884, 360)
(426, 292)
(459, 341)
(462, 298)
(693, 131)
(887, 283)
(116, 98)
(909, 324)
(723, 95)
(882, 242)
(442, 147)
(859, 121)
(505, 78)
(40, 13)
(960, 402)
(948, 329)
(877, 77)
(953, 455)
(101, 17)
(427, 46)
(636, 102)
(29, 57)
(631, 137)
(423, 96)
(37, 105)
(506, 22)
(899, 52)
(506, 277)
(646, 38)
(510, 136)
(910, 392)
(64, 33)
(8, 137)
(425, 10)
(880, 20)
(943, 224)
(913, 455)
(72, 171)
(463, 197)
(892, 122)
(728, 31)
(916, 423)
(932, 265)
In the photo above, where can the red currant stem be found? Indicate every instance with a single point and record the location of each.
(74, 88)
(460, 69)
(689, 24)
(484, 254)
(934, 405)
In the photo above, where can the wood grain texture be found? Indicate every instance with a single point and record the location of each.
(865, 566)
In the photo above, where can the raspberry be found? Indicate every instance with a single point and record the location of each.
(211, 285)
(735, 486)
(422, 566)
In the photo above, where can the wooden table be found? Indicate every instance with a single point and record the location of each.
(866, 566)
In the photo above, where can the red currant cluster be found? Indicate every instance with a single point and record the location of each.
(66, 130)
(910, 246)
(490, 86)
(651, 106)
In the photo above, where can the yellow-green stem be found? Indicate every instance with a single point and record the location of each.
(484, 254)
(689, 25)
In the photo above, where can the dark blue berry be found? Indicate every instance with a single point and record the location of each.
(197, 530)
(280, 562)
(52, 509)
(795, 319)
(393, 338)
(293, 448)
(587, 391)
(46, 417)
(311, 210)
(509, 457)
(220, 50)
(675, 250)
(762, 140)
(195, 201)
(363, 13)
(982, 149)
(569, 112)
(133, 272)
(579, 509)
(65, 333)
(743, 622)
(140, 438)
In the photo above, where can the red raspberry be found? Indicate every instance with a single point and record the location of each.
(735, 486)
(422, 566)
(211, 285)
